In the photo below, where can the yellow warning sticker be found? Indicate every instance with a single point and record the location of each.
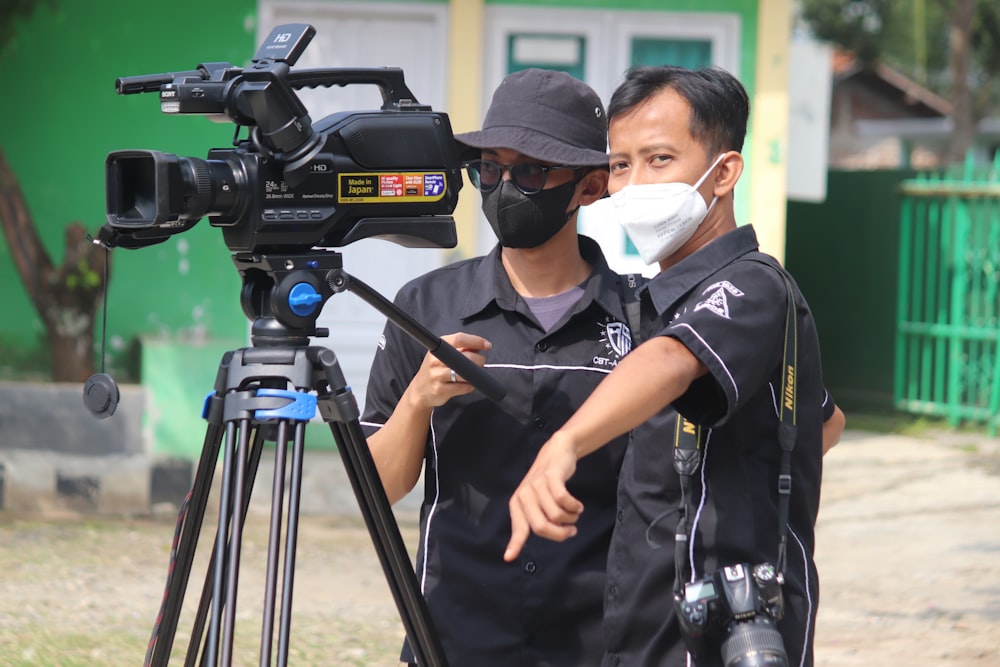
(391, 188)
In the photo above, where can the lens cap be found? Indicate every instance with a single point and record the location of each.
(100, 395)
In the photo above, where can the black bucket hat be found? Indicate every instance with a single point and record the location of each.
(546, 115)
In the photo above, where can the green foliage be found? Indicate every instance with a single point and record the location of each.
(11, 11)
(913, 38)
(20, 362)
(856, 25)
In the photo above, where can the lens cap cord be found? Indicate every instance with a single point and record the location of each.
(100, 393)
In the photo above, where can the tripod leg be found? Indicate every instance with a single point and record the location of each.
(389, 544)
(291, 544)
(221, 536)
(237, 516)
(163, 640)
(274, 543)
(340, 409)
(198, 631)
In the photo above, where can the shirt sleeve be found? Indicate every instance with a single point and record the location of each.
(397, 359)
(828, 404)
(734, 323)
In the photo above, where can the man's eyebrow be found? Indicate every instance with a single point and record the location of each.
(646, 150)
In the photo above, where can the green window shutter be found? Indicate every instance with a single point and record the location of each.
(690, 53)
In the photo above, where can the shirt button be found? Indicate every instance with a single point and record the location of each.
(616, 659)
(539, 422)
(612, 590)
(620, 516)
(541, 347)
(530, 567)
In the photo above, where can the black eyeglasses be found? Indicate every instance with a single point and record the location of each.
(528, 177)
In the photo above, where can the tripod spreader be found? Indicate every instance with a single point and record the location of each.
(260, 394)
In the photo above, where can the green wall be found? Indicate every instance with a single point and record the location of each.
(844, 253)
(61, 116)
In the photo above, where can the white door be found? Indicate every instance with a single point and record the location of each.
(359, 34)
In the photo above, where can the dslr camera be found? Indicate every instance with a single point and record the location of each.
(737, 606)
(291, 184)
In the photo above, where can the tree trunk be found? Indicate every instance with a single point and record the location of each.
(960, 47)
(66, 297)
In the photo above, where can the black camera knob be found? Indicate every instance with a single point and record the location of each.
(695, 613)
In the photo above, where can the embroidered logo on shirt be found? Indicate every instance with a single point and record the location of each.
(619, 337)
(716, 301)
(617, 340)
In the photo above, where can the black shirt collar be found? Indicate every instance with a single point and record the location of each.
(667, 287)
(491, 284)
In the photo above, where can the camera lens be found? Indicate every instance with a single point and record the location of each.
(755, 643)
(152, 189)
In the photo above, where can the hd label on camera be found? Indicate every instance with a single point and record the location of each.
(391, 188)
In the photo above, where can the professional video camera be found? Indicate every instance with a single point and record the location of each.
(285, 197)
(739, 606)
(292, 184)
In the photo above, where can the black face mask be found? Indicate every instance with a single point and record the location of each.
(527, 221)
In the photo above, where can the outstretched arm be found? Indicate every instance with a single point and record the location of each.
(647, 380)
(398, 447)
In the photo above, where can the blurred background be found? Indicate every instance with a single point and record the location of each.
(871, 173)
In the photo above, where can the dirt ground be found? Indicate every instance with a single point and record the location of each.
(908, 551)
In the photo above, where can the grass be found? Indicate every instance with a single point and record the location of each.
(907, 424)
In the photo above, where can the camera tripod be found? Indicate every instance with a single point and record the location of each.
(269, 392)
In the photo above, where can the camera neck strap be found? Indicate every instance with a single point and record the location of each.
(688, 442)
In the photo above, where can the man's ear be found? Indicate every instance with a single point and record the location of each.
(727, 172)
(593, 186)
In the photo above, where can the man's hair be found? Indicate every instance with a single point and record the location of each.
(719, 104)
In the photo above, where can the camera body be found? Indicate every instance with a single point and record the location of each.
(292, 184)
(738, 607)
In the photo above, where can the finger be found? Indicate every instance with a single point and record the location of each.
(558, 509)
(467, 342)
(537, 507)
(519, 531)
(568, 506)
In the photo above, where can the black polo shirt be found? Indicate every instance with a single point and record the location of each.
(730, 312)
(544, 609)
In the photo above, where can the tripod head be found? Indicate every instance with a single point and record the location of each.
(283, 295)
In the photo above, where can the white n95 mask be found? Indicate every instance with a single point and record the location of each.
(660, 217)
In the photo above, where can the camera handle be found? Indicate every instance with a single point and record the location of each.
(251, 404)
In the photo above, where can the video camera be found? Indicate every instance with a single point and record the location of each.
(291, 184)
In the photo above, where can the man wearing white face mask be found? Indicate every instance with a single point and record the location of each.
(659, 218)
(726, 399)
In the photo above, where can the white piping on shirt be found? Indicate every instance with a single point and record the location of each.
(809, 600)
(433, 507)
(522, 367)
(701, 506)
(717, 357)
(805, 561)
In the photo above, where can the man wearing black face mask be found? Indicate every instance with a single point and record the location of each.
(543, 312)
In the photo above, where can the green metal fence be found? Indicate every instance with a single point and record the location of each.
(948, 309)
